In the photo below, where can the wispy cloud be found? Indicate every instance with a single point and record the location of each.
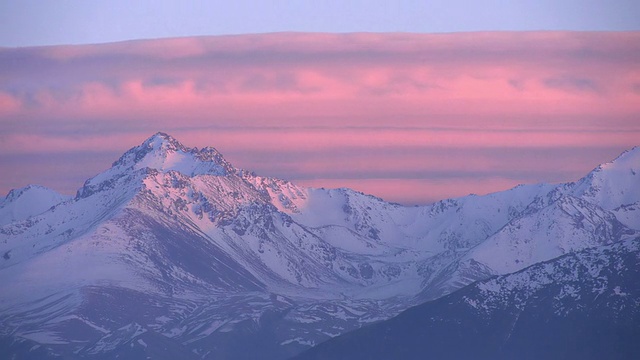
(407, 98)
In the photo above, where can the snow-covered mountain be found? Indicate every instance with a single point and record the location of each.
(582, 305)
(21, 204)
(173, 246)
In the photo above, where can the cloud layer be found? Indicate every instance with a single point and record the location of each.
(411, 118)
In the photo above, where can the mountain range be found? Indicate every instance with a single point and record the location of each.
(582, 305)
(175, 253)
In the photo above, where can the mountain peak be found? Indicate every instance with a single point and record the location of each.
(629, 159)
(613, 183)
(628, 162)
(17, 193)
(164, 153)
(163, 141)
(160, 144)
(19, 204)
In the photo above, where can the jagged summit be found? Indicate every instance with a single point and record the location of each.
(163, 153)
(163, 142)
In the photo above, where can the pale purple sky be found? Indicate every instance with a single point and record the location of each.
(49, 22)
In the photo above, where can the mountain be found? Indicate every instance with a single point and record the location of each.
(21, 204)
(613, 183)
(582, 305)
(175, 248)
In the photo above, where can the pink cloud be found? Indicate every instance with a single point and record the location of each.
(8, 104)
(315, 93)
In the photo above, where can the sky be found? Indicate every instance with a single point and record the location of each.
(430, 112)
(55, 22)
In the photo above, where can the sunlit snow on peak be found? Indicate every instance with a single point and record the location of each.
(163, 153)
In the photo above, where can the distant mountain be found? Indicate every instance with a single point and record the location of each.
(173, 247)
(21, 204)
(582, 305)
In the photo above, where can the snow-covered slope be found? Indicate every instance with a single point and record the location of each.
(583, 305)
(599, 209)
(612, 184)
(216, 255)
(568, 224)
(21, 204)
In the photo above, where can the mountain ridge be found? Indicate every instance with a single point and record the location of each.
(175, 227)
(576, 306)
(23, 203)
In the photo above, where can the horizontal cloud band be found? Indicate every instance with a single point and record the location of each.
(387, 104)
